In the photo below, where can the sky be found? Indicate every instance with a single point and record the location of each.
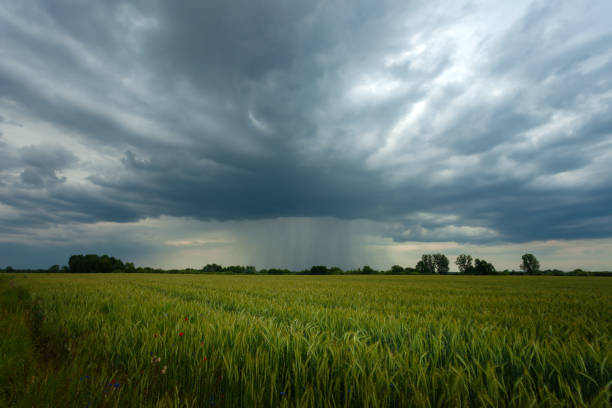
(291, 134)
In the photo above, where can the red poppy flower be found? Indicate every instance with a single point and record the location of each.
(181, 334)
(186, 319)
(204, 359)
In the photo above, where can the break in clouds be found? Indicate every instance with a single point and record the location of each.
(291, 133)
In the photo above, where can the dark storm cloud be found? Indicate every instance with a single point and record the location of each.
(7, 158)
(43, 256)
(433, 120)
(43, 162)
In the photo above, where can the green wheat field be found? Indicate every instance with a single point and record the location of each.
(121, 340)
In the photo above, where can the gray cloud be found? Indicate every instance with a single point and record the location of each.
(42, 163)
(471, 122)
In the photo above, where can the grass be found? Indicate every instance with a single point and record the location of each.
(89, 340)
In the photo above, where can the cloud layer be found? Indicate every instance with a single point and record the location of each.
(470, 122)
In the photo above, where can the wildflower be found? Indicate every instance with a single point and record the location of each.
(204, 359)
(186, 319)
(202, 343)
(282, 393)
(181, 334)
(163, 370)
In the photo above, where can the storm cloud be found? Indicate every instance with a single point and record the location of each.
(468, 122)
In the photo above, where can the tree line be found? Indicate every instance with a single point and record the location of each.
(429, 264)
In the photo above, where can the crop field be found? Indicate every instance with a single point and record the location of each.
(119, 340)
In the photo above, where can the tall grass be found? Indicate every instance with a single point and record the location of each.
(317, 341)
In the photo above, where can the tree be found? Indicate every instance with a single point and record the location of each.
(367, 270)
(319, 270)
(212, 268)
(482, 267)
(397, 270)
(94, 264)
(440, 264)
(530, 264)
(237, 269)
(436, 263)
(464, 263)
(426, 264)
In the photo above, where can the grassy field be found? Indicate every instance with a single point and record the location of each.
(187, 340)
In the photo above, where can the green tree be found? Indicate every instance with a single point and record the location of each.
(426, 264)
(212, 268)
(367, 270)
(464, 263)
(440, 264)
(319, 270)
(436, 263)
(482, 267)
(396, 269)
(530, 264)
(94, 264)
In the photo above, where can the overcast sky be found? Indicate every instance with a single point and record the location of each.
(290, 134)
